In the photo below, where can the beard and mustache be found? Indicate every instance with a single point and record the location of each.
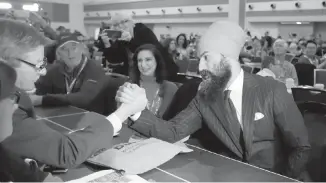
(214, 84)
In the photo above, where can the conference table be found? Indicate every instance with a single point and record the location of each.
(198, 166)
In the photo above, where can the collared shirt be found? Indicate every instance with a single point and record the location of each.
(236, 88)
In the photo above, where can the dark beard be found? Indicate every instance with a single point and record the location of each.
(210, 90)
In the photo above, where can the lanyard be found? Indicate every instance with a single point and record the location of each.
(313, 62)
(70, 86)
(156, 103)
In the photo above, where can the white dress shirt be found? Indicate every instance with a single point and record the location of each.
(236, 95)
(116, 123)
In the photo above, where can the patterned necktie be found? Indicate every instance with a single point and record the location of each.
(233, 119)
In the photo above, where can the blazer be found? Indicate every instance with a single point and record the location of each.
(277, 142)
(34, 139)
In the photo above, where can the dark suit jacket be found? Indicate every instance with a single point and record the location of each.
(277, 142)
(14, 169)
(34, 139)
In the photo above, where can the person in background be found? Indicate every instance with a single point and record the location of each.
(268, 44)
(12, 167)
(295, 50)
(321, 52)
(292, 38)
(22, 47)
(149, 72)
(283, 69)
(61, 30)
(302, 43)
(310, 56)
(170, 45)
(266, 66)
(120, 51)
(293, 46)
(74, 80)
(191, 51)
(182, 44)
(254, 116)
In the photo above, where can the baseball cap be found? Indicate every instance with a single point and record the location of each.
(68, 38)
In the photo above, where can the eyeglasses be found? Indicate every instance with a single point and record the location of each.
(40, 67)
(15, 97)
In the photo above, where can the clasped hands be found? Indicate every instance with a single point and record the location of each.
(132, 99)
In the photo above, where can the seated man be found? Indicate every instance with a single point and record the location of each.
(310, 56)
(72, 80)
(12, 167)
(253, 116)
(22, 47)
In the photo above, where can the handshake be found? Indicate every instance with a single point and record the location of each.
(131, 99)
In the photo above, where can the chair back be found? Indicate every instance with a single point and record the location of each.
(314, 100)
(193, 65)
(183, 65)
(182, 98)
(305, 73)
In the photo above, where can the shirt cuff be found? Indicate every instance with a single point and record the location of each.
(136, 116)
(116, 122)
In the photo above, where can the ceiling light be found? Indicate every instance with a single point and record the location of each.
(5, 6)
(299, 23)
(31, 7)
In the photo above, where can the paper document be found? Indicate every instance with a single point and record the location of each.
(138, 156)
(109, 176)
(138, 137)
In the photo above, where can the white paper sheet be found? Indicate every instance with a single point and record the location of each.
(109, 176)
(138, 155)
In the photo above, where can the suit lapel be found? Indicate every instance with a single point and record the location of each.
(249, 100)
(218, 110)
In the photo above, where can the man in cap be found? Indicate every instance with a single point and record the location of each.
(253, 116)
(73, 80)
(118, 52)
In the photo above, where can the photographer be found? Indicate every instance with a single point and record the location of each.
(119, 51)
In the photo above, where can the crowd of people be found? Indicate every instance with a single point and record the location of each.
(251, 118)
(279, 56)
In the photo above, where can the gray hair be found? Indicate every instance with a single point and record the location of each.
(281, 41)
(18, 38)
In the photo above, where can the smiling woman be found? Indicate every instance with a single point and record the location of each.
(149, 72)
